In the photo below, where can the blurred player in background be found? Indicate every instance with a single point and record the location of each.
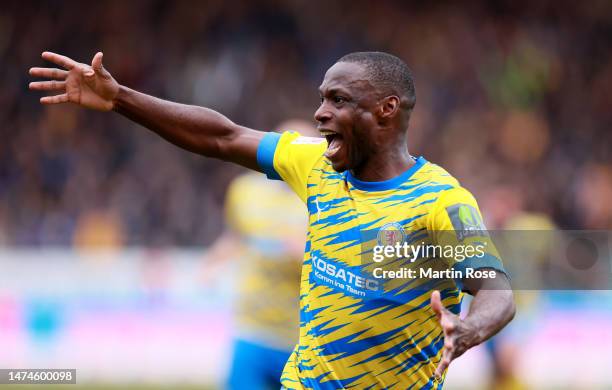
(503, 349)
(354, 332)
(266, 232)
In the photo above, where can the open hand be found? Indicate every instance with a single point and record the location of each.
(459, 336)
(89, 86)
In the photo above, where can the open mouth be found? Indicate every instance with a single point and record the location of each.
(334, 142)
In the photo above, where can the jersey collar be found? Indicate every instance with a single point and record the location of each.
(386, 184)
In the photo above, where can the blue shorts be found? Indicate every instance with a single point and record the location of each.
(256, 367)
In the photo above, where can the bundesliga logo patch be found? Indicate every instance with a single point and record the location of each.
(466, 221)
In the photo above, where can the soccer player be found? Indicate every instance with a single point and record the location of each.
(361, 187)
(265, 234)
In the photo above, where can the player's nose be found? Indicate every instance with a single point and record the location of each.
(322, 114)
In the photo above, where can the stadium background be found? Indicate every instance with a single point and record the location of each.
(103, 225)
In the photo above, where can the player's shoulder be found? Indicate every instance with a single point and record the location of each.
(313, 148)
(448, 187)
(301, 150)
(296, 138)
(434, 174)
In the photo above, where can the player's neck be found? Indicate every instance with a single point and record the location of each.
(385, 165)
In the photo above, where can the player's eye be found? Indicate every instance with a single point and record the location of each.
(339, 99)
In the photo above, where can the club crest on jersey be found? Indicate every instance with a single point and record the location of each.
(466, 221)
(390, 234)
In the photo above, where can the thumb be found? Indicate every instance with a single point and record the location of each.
(96, 63)
(436, 303)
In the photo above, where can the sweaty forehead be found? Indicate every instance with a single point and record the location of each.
(348, 76)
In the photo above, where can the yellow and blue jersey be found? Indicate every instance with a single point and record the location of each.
(357, 331)
(269, 220)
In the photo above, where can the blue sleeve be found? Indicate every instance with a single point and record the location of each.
(265, 155)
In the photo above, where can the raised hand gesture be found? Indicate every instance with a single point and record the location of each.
(89, 86)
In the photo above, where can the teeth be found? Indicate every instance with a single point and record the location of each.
(326, 132)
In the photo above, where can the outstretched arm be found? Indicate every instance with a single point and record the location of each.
(196, 129)
(490, 310)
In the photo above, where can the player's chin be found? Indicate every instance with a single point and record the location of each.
(339, 163)
(339, 167)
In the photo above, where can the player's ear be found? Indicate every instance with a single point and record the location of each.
(389, 106)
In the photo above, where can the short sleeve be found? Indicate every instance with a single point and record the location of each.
(455, 221)
(290, 157)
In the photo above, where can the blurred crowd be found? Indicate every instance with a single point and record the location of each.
(513, 99)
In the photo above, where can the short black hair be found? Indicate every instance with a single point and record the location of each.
(387, 72)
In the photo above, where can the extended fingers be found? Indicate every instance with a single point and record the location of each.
(448, 323)
(443, 365)
(50, 73)
(449, 345)
(436, 303)
(48, 85)
(59, 59)
(448, 354)
(446, 318)
(63, 98)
